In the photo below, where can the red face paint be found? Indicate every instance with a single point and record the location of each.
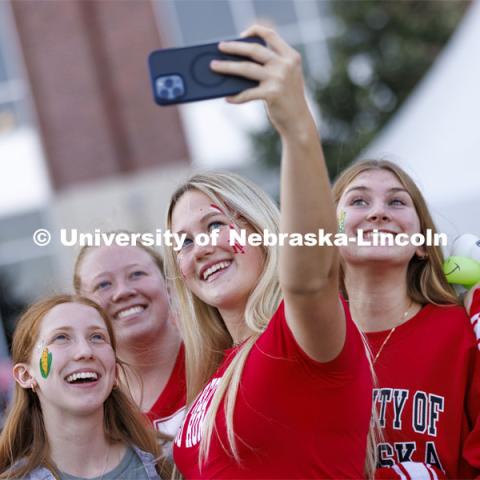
(216, 207)
(237, 248)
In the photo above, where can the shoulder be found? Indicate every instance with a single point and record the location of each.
(170, 404)
(142, 454)
(40, 473)
(278, 341)
(279, 323)
(448, 315)
(450, 320)
(148, 461)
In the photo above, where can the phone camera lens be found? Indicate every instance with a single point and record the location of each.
(169, 88)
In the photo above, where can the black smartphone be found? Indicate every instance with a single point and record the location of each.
(180, 75)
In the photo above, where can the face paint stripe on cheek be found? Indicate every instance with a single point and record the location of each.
(237, 247)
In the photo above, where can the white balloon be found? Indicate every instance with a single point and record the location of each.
(475, 251)
(464, 245)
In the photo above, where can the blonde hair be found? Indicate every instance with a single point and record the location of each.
(204, 333)
(23, 441)
(426, 282)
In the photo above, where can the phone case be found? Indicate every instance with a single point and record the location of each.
(180, 75)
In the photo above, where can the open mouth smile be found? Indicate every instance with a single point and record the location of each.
(369, 233)
(207, 272)
(130, 311)
(82, 377)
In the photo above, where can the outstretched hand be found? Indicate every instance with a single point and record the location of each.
(278, 69)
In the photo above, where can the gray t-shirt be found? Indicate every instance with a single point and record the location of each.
(130, 468)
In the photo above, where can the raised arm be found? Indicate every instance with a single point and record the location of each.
(308, 275)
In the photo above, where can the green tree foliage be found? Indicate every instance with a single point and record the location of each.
(381, 51)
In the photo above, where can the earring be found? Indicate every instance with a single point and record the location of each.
(34, 384)
(115, 384)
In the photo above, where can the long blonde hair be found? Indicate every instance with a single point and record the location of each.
(426, 282)
(204, 333)
(23, 441)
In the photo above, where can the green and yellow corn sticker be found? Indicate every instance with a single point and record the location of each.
(45, 362)
(341, 221)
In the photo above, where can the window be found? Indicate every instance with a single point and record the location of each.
(305, 24)
(24, 185)
(12, 89)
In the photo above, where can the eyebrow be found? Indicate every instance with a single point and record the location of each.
(69, 329)
(131, 265)
(366, 189)
(61, 328)
(205, 218)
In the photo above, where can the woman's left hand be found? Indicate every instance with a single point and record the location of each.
(278, 69)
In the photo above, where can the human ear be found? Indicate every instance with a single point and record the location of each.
(116, 382)
(421, 253)
(23, 376)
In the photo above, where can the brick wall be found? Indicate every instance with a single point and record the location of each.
(87, 66)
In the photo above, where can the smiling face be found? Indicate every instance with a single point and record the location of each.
(376, 200)
(83, 366)
(221, 275)
(127, 283)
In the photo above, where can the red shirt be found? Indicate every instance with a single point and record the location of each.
(428, 394)
(168, 411)
(294, 417)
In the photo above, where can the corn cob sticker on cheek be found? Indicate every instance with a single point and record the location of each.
(341, 221)
(45, 362)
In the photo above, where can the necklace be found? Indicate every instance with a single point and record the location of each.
(390, 333)
(240, 342)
